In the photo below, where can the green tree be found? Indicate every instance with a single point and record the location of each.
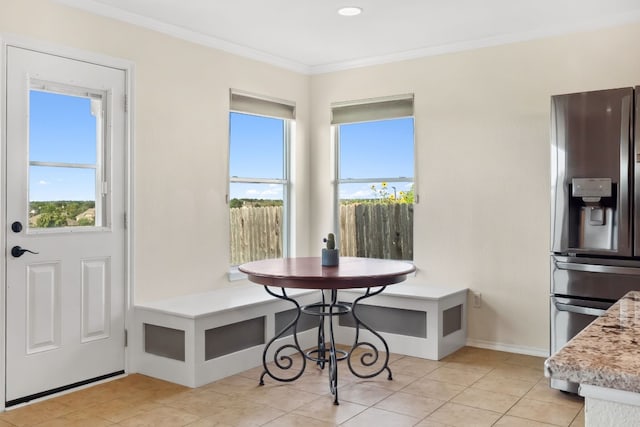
(59, 213)
(236, 203)
(86, 221)
(51, 219)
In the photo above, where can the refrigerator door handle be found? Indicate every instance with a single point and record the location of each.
(579, 309)
(636, 177)
(597, 268)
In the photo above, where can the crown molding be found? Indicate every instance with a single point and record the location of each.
(178, 32)
(97, 8)
(607, 22)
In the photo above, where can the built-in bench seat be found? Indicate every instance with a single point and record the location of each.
(198, 338)
(416, 319)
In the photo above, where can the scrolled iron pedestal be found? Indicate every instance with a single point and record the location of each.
(284, 361)
(369, 358)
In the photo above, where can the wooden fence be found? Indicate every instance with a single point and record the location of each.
(377, 230)
(255, 233)
(366, 230)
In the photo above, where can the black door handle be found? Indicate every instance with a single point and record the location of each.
(17, 251)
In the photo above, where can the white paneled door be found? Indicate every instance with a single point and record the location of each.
(65, 217)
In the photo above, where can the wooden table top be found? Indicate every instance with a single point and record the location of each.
(308, 272)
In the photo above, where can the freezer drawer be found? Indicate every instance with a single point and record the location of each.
(569, 316)
(593, 278)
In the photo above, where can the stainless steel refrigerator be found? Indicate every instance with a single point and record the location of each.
(595, 207)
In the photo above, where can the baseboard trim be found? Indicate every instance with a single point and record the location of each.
(492, 345)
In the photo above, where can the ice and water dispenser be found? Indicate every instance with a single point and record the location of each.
(592, 216)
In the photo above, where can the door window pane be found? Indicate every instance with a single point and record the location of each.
(62, 128)
(65, 140)
(53, 201)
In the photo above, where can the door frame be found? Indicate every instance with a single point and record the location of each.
(81, 55)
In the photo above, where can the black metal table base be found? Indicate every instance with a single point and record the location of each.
(284, 359)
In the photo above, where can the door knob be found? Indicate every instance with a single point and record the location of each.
(17, 251)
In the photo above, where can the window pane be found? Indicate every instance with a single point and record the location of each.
(256, 146)
(376, 217)
(255, 222)
(377, 149)
(61, 197)
(63, 128)
(376, 220)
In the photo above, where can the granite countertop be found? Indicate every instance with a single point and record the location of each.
(607, 352)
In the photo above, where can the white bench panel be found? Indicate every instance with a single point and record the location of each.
(432, 300)
(194, 314)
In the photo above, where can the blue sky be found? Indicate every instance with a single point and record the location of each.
(256, 146)
(61, 129)
(381, 149)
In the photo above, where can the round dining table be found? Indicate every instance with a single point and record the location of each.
(369, 274)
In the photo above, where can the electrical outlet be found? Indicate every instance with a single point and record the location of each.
(477, 300)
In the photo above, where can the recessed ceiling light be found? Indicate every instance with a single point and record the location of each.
(350, 11)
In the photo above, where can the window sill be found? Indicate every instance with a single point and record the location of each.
(235, 275)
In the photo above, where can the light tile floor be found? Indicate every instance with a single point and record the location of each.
(472, 387)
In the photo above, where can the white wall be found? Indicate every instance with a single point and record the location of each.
(482, 136)
(181, 139)
(483, 154)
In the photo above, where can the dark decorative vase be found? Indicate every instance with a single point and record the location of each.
(330, 257)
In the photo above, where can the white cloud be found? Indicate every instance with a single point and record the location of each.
(273, 190)
(360, 194)
(43, 182)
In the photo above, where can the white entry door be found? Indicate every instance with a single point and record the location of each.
(65, 216)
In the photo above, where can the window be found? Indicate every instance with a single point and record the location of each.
(259, 134)
(66, 138)
(375, 188)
